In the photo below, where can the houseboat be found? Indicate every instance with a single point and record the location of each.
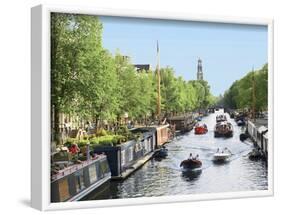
(162, 134)
(221, 118)
(259, 135)
(182, 123)
(76, 181)
(126, 157)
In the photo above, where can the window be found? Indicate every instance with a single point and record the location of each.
(93, 173)
(130, 150)
(63, 189)
(104, 167)
(79, 180)
(123, 158)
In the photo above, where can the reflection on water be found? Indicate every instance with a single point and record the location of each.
(165, 177)
(191, 175)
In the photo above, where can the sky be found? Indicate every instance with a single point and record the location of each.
(228, 51)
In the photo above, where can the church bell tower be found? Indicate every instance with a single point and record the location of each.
(199, 70)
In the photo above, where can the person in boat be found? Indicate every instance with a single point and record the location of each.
(205, 126)
(190, 157)
(196, 158)
(218, 150)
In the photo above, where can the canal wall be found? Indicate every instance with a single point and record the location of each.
(259, 134)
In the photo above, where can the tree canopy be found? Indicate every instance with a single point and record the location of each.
(250, 90)
(90, 83)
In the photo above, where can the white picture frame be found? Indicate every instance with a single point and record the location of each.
(40, 111)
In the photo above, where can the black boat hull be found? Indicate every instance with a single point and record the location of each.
(191, 164)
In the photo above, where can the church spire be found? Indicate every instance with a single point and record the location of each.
(199, 70)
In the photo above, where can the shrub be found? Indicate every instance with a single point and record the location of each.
(109, 140)
(70, 141)
(91, 136)
(101, 132)
(82, 143)
(85, 137)
(106, 142)
(94, 141)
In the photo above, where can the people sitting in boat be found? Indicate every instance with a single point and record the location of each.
(196, 158)
(227, 150)
(205, 126)
(190, 157)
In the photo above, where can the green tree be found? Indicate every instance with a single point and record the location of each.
(242, 92)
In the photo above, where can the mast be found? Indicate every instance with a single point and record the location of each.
(253, 95)
(158, 84)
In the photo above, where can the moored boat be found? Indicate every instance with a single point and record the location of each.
(76, 181)
(244, 136)
(221, 118)
(161, 153)
(223, 129)
(200, 129)
(241, 122)
(183, 123)
(256, 154)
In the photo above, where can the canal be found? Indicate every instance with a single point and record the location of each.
(164, 177)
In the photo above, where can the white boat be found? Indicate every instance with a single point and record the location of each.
(221, 156)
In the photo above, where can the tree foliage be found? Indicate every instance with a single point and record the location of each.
(249, 90)
(179, 96)
(91, 84)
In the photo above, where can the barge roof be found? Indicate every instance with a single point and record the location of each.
(73, 168)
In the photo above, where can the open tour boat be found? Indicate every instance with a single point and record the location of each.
(200, 129)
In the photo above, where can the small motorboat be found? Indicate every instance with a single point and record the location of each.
(256, 154)
(244, 136)
(223, 129)
(221, 118)
(190, 164)
(221, 156)
(161, 153)
(241, 122)
(200, 129)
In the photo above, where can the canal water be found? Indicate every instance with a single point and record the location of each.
(165, 177)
